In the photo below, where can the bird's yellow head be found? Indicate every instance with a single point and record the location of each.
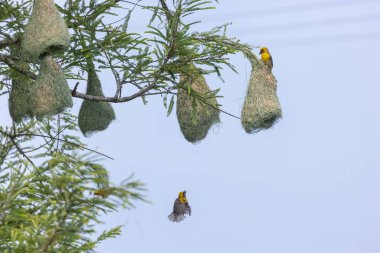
(182, 196)
(264, 50)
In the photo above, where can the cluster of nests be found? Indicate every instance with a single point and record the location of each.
(260, 111)
(46, 34)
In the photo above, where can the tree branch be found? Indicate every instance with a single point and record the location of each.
(8, 60)
(166, 9)
(115, 99)
(8, 42)
(4, 93)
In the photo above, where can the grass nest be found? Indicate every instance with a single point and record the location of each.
(20, 94)
(197, 111)
(94, 116)
(45, 32)
(50, 94)
(261, 108)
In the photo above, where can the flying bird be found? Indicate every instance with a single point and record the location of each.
(180, 209)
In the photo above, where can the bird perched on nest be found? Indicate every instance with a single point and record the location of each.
(180, 209)
(266, 57)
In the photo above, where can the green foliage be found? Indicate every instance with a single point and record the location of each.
(151, 61)
(46, 190)
(47, 176)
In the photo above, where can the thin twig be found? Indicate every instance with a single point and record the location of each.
(135, 4)
(59, 131)
(74, 91)
(203, 100)
(159, 93)
(15, 135)
(48, 141)
(218, 109)
(66, 141)
(22, 152)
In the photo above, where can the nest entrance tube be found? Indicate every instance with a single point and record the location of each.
(46, 31)
(196, 120)
(94, 116)
(51, 94)
(261, 108)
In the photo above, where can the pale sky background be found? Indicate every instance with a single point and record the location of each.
(308, 185)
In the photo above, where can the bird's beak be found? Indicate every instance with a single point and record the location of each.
(261, 51)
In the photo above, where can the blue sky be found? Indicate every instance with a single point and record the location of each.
(309, 184)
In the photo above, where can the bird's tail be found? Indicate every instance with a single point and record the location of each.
(176, 217)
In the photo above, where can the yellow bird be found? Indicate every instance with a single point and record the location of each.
(266, 57)
(105, 192)
(180, 209)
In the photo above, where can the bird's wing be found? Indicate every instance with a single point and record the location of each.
(175, 206)
(179, 207)
(188, 208)
(271, 60)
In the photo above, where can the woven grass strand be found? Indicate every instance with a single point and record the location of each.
(94, 116)
(51, 94)
(196, 124)
(45, 32)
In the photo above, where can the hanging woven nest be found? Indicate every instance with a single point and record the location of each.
(94, 116)
(195, 117)
(261, 107)
(45, 32)
(19, 97)
(51, 94)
